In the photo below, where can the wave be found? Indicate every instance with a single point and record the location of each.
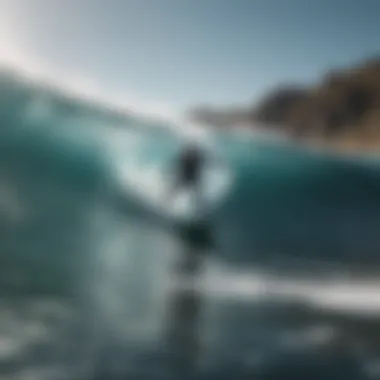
(285, 201)
(65, 163)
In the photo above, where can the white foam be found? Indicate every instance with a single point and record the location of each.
(152, 184)
(360, 297)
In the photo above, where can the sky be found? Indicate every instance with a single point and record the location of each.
(175, 54)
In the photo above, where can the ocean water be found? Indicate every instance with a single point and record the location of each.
(87, 258)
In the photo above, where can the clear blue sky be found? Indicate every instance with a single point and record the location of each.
(186, 52)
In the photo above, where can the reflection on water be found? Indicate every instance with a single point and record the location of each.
(42, 338)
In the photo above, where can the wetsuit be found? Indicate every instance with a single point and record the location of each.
(190, 165)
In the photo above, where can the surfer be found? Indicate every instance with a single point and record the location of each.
(183, 335)
(183, 330)
(189, 167)
(191, 161)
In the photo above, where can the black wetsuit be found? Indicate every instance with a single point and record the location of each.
(190, 165)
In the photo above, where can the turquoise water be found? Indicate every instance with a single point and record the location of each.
(285, 201)
(66, 232)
